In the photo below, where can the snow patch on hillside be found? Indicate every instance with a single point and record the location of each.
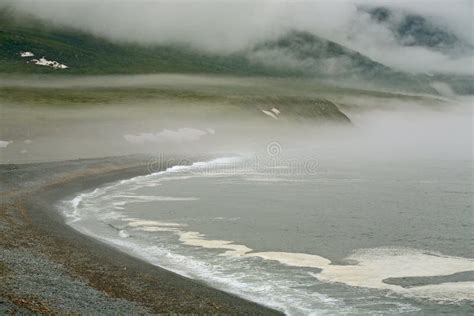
(273, 113)
(4, 143)
(26, 54)
(48, 63)
(270, 114)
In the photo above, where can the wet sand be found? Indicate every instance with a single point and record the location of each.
(47, 267)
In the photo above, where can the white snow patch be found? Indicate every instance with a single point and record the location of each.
(276, 111)
(4, 143)
(271, 114)
(26, 54)
(48, 63)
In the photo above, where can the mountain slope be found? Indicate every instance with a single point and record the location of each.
(323, 58)
(293, 54)
(86, 54)
(412, 29)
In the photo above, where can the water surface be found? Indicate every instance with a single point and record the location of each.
(340, 237)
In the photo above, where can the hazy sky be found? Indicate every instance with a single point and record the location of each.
(225, 25)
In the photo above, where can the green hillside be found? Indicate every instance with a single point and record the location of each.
(83, 53)
(87, 54)
(323, 58)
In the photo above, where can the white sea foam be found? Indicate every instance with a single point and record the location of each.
(158, 229)
(189, 238)
(72, 212)
(134, 222)
(257, 284)
(146, 198)
(123, 233)
(365, 269)
(293, 259)
(446, 292)
(119, 199)
(368, 268)
(372, 266)
(197, 239)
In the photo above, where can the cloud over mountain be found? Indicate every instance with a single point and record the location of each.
(229, 26)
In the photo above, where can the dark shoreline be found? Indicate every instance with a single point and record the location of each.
(30, 222)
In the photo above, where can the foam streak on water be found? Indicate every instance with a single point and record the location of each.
(296, 283)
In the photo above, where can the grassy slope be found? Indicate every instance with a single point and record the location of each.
(86, 54)
(293, 106)
(89, 55)
(316, 51)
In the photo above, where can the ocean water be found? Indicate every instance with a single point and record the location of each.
(304, 237)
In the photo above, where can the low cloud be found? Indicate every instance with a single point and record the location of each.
(182, 135)
(228, 26)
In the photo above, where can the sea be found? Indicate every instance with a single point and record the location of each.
(311, 235)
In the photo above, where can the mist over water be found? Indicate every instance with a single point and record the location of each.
(371, 216)
(302, 214)
(102, 116)
(325, 189)
(345, 237)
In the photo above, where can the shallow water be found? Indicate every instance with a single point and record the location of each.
(372, 237)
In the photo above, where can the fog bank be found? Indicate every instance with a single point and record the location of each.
(228, 26)
(383, 126)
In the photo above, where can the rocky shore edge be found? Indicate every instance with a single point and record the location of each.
(46, 267)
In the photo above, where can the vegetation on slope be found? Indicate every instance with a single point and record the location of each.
(87, 54)
(292, 106)
(295, 54)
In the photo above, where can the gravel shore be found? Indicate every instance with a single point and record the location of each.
(46, 267)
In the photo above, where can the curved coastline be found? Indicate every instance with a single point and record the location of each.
(29, 193)
(368, 268)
